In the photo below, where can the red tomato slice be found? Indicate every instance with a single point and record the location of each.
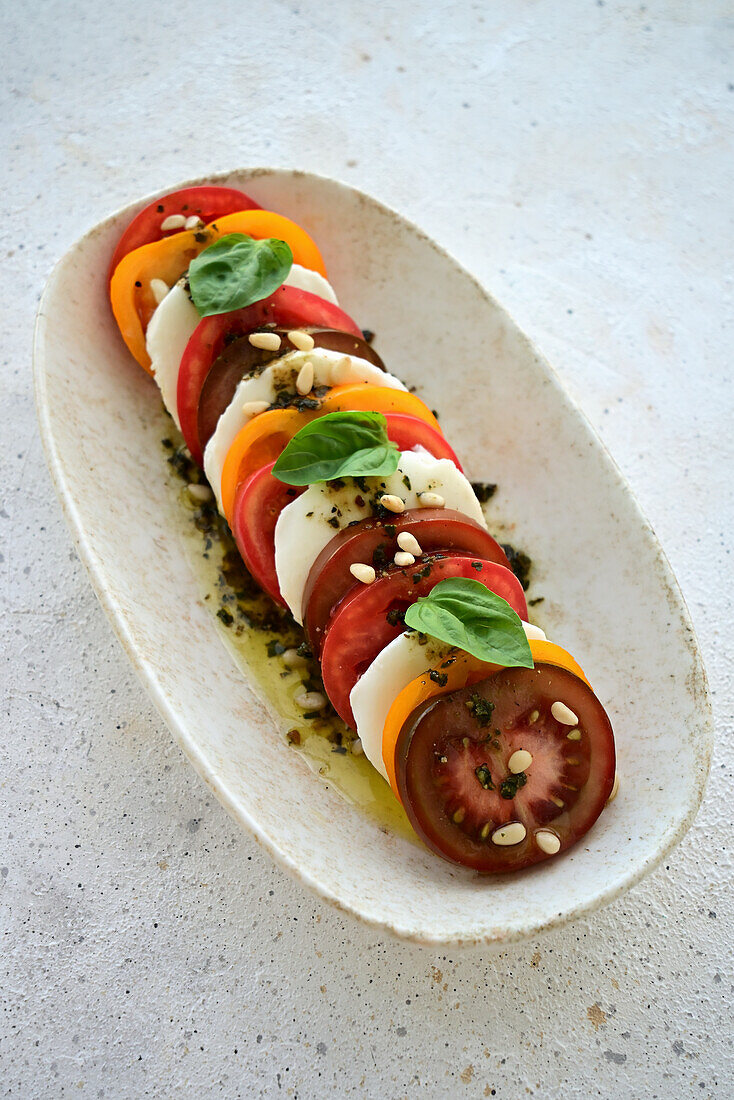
(369, 617)
(436, 529)
(410, 431)
(260, 500)
(208, 203)
(459, 792)
(288, 306)
(240, 358)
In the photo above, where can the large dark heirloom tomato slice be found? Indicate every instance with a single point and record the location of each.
(207, 203)
(374, 541)
(288, 307)
(371, 615)
(463, 799)
(240, 358)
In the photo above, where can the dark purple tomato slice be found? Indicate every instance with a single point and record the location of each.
(240, 358)
(457, 761)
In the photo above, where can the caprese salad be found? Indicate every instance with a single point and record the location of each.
(351, 510)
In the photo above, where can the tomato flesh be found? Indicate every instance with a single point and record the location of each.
(206, 203)
(240, 358)
(260, 500)
(289, 307)
(374, 541)
(453, 777)
(370, 616)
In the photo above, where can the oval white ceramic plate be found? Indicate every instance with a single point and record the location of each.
(610, 596)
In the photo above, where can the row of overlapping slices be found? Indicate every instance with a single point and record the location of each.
(497, 767)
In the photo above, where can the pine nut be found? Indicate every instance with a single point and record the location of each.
(173, 221)
(158, 289)
(293, 659)
(573, 735)
(200, 493)
(615, 788)
(392, 503)
(520, 761)
(304, 382)
(357, 748)
(362, 572)
(512, 833)
(547, 841)
(301, 340)
(409, 543)
(193, 222)
(564, 714)
(252, 408)
(310, 700)
(268, 341)
(403, 558)
(431, 500)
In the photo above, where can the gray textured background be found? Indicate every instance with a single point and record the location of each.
(578, 157)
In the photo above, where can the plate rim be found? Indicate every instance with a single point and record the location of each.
(145, 669)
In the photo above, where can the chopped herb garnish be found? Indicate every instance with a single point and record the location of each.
(439, 678)
(483, 490)
(510, 786)
(481, 708)
(536, 601)
(477, 565)
(275, 648)
(520, 564)
(226, 616)
(395, 617)
(484, 776)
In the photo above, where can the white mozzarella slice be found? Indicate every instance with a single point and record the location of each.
(175, 319)
(265, 386)
(304, 527)
(166, 338)
(375, 692)
(305, 279)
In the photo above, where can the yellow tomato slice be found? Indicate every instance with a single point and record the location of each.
(463, 671)
(262, 439)
(132, 300)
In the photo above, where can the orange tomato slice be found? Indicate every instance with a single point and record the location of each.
(464, 670)
(132, 300)
(262, 439)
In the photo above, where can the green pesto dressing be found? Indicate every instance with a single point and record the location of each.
(252, 627)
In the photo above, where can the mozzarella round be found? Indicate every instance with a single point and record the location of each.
(166, 338)
(305, 525)
(278, 376)
(376, 690)
(175, 319)
(306, 279)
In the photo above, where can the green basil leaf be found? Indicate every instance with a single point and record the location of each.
(236, 271)
(340, 444)
(463, 613)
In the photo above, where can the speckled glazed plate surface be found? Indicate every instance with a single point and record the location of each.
(609, 595)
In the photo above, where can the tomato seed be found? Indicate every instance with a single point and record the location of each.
(534, 716)
(459, 816)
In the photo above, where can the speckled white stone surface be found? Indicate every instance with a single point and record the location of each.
(577, 157)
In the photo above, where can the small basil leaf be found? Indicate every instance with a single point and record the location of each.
(463, 613)
(236, 271)
(340, 444)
